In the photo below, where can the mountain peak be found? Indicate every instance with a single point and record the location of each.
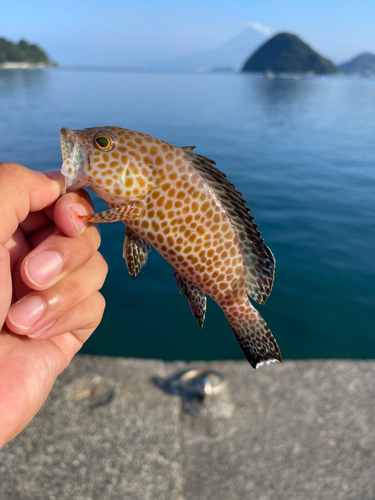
(230, 54)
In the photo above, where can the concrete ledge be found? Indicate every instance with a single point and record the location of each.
(298, 431)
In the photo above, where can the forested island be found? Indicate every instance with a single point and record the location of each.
(22, 54)
(286, 53)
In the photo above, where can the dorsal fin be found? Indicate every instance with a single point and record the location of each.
(258, 258)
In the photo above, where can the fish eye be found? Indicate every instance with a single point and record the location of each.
(104, 143)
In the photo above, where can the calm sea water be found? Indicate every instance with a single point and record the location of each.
(303, 154)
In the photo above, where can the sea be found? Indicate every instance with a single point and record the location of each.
(302, 152)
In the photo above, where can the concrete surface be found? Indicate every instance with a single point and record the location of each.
(298, 431)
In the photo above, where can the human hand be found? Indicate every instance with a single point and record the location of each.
(50, 274)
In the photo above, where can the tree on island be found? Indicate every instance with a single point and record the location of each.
(286, 53)
(22, 52)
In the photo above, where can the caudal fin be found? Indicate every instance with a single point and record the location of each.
(253, 334)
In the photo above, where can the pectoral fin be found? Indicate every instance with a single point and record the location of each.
(124, 212)
(195, 296)
(135, 252)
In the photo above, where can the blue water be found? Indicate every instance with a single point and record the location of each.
(303, 154)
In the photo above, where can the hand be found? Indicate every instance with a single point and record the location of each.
(50, 274)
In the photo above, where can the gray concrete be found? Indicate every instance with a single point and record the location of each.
(298, 431)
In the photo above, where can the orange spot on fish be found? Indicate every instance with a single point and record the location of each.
(133, 168)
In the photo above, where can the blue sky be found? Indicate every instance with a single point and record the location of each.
(124, 33)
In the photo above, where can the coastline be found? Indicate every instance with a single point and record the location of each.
(23, 65)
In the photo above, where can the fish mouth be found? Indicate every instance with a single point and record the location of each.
(68, 134)
(73, 160)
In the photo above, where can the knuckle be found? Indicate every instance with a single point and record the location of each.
(102, 263)
(91, 239)
(14, 172)
(99, 270)
(100, 304)
(94, 307)
(15, 167)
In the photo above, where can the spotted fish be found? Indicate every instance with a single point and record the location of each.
(177, 202)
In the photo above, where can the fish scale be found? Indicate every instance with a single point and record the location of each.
(179, 203)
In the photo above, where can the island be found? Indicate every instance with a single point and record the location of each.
(22, 55)
(361, 65)
(286, 53)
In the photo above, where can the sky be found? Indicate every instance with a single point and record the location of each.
(126, 33)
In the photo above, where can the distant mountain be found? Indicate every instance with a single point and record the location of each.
(230, 55)
(364, 65)
(21, 52)
(286, 53)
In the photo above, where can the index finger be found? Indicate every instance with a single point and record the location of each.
(23, 191)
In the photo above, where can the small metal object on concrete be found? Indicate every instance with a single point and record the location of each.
(200, 382)
(99, 393)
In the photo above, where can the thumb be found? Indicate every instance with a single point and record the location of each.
(23, 191)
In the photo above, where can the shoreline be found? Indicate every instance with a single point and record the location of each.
(23, 65)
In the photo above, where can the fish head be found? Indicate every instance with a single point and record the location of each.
(106, 160)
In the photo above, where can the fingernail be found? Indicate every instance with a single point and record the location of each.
(77, 209)
(54, 174)
(42, 330)
(26, 312)
(42, 268)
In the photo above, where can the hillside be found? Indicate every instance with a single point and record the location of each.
(364, 64)
(21, 52)
(286, 53)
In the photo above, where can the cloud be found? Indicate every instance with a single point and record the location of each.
(262, 29)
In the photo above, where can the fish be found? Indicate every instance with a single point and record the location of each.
(177, 202)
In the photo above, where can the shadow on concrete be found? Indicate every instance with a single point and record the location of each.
(191, 403)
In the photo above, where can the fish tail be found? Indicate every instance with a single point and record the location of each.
(252, 333)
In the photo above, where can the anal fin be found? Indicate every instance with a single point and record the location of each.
(135, 252)
(195, 296)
